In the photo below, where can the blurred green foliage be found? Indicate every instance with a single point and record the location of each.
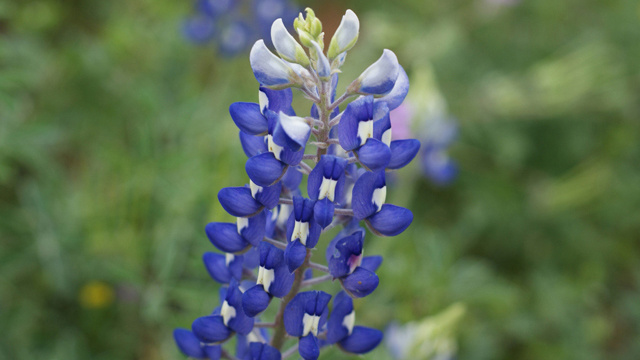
(115, 139)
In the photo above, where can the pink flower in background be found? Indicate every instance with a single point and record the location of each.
(401, 121)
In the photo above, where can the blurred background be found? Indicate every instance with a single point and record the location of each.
(115, 139)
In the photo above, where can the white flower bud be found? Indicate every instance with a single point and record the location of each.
(269, 69)
(288, 48)
(379, 78)
(346, 35)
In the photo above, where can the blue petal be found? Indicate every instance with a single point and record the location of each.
(360, 283)
(345, 248)
(402, 152)
(225, 237)
(237, 201)
(308, 347)
(255, 301)
(359, 110)
(294, 255)
(382, 120)
(292, 178)
(188, 343)
(240, 323)
(362, 196)
(291, 132)
(391, 220)
(308, 274)
(294, 313)
(216, 265)
(342, 306)
(252, 145)
(371, 263)
(270, 256)
(323, 212)
(210, 329)
(399, 91)
(214, 352)
(314, 180)
(283, 281)
(260, 351)
(269, 196)
(265, 169)
(374, 154)
(253, 233)
(362, 340)
(242, 348)
(292, 158)
(251, 259)
(248, 118)
(279, 100)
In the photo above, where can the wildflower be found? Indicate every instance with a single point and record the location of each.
(191, 346)
(347, 263)
(341, 329)
(276, 227)
(365, 129)
(369, 195)
(274, 279)
(238, 237)
(302, 232)
(325, 185)
(225, 320)
(304, 316)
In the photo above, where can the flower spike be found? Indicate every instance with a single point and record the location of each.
(267, 253)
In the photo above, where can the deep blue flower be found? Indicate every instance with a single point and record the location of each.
(239, 237)
(325, 185)
(226, 320)
(341, 329)
(347, 263)
(274, 279)
(368, 202)
(191, 346)
(304, 316)
(365, 129)
(260, 351)
(303, 232)
(223, 267)
(270, 161)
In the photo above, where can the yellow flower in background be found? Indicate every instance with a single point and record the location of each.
(96, 295)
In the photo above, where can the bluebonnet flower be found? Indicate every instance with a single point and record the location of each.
(191, 346)
(276, 227)
(325, 185)
(304, 316)
(225, 320)
(274, 279)
(341, 328)
(368, 202)
(227, 22)
(303, 231)
(365, 129)
(238, 237)
(346, 260)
